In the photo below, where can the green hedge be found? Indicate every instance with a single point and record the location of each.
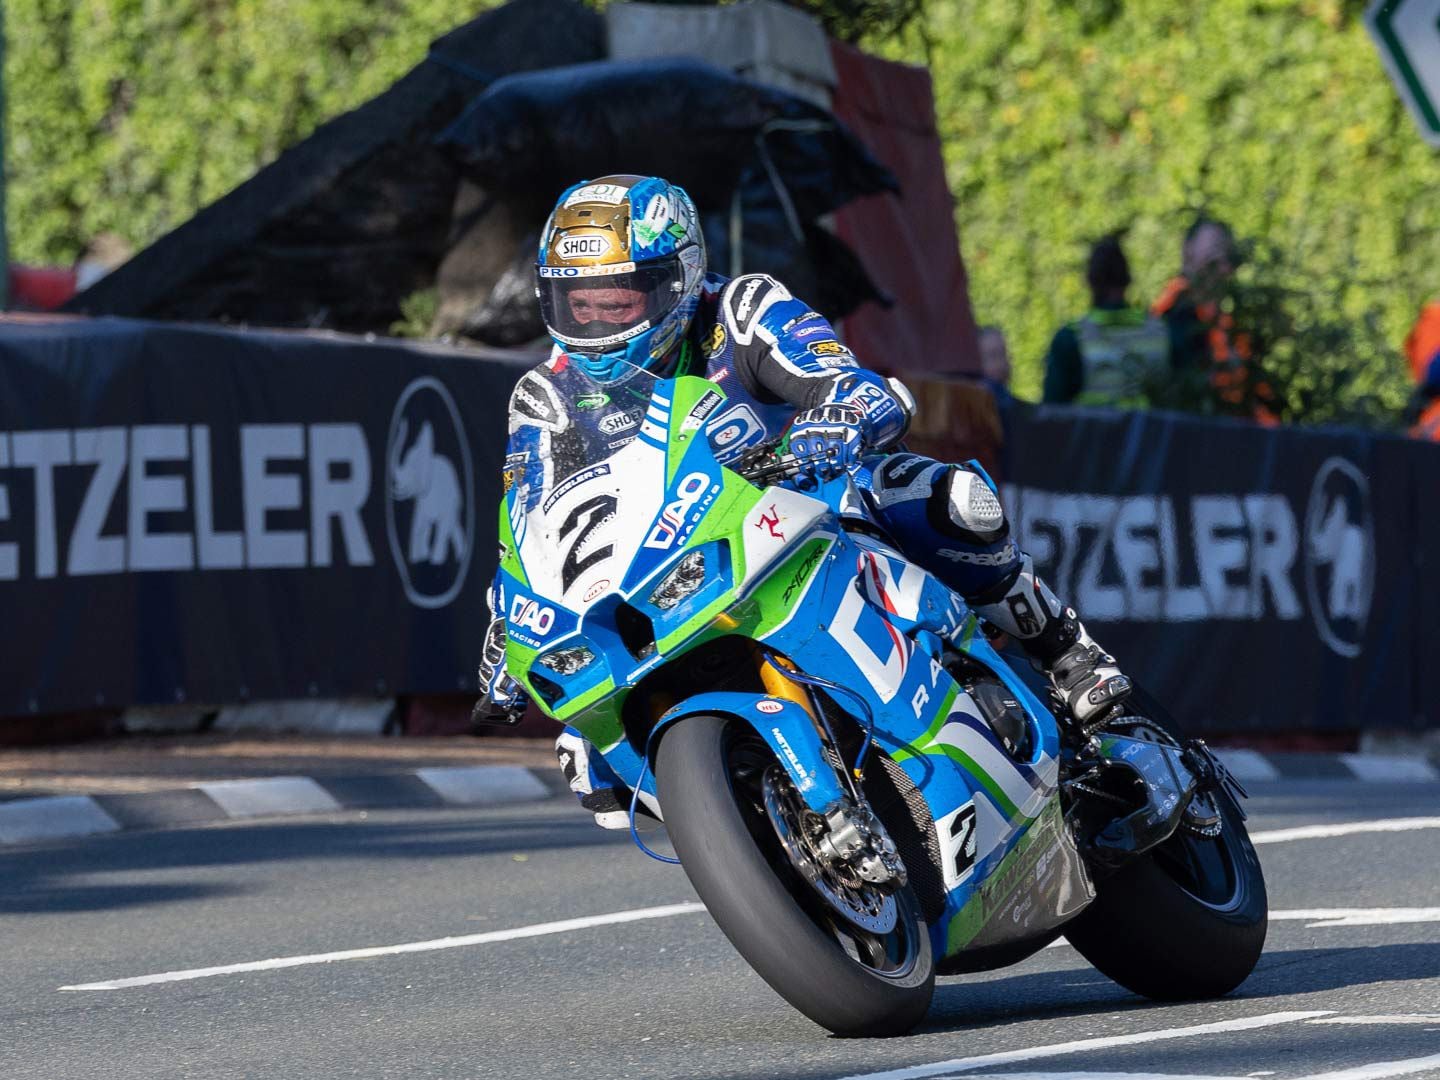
(129, 115)
(1062, 119)
(1067, 119)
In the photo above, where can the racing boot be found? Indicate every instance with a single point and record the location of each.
(596, 786)
(1083, 674)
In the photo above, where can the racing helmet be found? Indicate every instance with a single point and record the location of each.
(619, 273)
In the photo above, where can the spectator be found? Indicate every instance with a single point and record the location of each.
(994, 356)
(1112, 354)
(1203, 335)
(1422, 349)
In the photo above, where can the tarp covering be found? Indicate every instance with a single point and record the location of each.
(907, 242)
(722, 138)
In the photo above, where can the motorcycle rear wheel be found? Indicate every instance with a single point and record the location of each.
(710, 772)
(1186, 921)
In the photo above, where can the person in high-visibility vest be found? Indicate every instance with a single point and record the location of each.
(1422, 349)
(1115, 353)
(1204, 335)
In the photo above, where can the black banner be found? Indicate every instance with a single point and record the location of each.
(1253, 579)
(200, 514)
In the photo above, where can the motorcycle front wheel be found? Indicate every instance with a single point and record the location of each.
(856, 962)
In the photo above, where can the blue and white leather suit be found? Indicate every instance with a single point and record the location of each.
(774, 357)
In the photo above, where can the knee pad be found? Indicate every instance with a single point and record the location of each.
(965, 506)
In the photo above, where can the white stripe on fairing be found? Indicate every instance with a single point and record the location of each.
(565, 926)
(653, 430)
(997, 765)
(1080, 1046)
(1357, 916)
(1349, 828)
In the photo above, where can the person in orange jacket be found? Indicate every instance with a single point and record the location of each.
(1422, 349)
(1204, 335)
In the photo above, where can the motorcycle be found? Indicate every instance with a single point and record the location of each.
(864, 793)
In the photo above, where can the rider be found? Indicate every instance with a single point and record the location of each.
(622, 283)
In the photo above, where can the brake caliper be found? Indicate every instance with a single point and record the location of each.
(853, 837)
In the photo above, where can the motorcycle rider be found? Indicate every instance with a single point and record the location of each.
(623, 284)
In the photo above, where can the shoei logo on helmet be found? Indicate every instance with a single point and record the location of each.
(429, 517)
(584, 246)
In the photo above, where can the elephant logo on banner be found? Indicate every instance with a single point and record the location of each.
(429, 509)
(1340, 555)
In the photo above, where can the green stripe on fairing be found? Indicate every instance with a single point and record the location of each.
(942, 714)
(511, 563)
(688, 391)
(994, 790)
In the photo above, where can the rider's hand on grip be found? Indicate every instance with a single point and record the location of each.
(827, 440)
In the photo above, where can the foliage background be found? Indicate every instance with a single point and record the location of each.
(1062, 120)
(1066, 119)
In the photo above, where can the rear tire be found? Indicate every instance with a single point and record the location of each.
(1184, 922)
(766, 908)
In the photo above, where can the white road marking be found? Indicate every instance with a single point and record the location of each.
(1093, 1076)
(1349, 828)
(1324, 917)
(1414, 1018)
(1408, 1067)
(536, 930)
(1011, 1057)
(1357, 916)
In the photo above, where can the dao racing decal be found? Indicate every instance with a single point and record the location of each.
(533, 622)
(693, 496)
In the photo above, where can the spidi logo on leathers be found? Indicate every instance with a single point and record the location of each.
(429, 515)
(1211, 557)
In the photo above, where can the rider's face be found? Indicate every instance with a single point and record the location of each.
(620, 307)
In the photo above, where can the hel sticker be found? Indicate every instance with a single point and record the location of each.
(595, 590)
(611, 194)
(584, 246)
(585, 271)
(768, 706)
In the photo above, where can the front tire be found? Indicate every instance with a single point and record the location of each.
(708, 769)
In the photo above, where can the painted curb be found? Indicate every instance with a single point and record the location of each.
(61, 817)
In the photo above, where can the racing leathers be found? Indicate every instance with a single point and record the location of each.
(783, 369)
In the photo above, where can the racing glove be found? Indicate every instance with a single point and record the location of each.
(502, 700)
(827, 440)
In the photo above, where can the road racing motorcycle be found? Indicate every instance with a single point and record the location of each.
(863, 791)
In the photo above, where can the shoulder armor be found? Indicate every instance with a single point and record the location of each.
(535, 402)
(746, 299)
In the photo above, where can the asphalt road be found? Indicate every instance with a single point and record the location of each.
(663, 996)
